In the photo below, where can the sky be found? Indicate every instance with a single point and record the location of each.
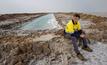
(25, 6)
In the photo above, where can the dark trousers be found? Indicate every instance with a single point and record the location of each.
(74, 38)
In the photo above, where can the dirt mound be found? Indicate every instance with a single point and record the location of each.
(21, 50)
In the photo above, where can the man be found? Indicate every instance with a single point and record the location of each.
(73, 28)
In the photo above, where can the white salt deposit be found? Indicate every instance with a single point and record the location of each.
(45, 37)
(42, 23)
(97, 57)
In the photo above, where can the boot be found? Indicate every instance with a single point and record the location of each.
(87, 48)
(81, 57)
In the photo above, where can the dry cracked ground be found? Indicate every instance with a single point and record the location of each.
(49, 47)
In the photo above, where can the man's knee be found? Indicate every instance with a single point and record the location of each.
(74, 39)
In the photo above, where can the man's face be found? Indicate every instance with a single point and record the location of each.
(75, 18)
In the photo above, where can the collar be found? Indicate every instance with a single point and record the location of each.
(73, 22)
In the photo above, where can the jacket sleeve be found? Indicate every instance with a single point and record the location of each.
(79, 26)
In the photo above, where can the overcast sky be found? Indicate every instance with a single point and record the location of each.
(15, 6)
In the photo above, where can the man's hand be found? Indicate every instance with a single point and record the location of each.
(82, 35)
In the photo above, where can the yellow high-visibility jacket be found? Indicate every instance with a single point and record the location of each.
(71, 28)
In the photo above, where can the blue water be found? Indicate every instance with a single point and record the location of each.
(41, 23)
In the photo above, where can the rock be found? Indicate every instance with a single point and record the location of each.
(12, 60)
(104, 36)
(22, 48)
(14, 51)
(60, 32)
(19, 63)
(104, 40)
(37, 48)
(41, 48)
(46, 49)
(1, 64)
